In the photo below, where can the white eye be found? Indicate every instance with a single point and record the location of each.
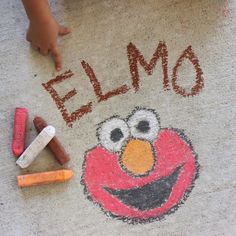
(144, 124)
(113, 133)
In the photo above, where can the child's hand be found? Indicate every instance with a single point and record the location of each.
(43, 37)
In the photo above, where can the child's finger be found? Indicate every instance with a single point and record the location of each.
(35, 47)
(28, 37)
(44, 51)
(57, 57)
(63, 30)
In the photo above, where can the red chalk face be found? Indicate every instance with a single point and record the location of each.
(139, 171)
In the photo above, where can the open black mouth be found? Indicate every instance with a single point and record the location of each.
(149, 196)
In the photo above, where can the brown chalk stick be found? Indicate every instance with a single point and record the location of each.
(44, 178)
(54, 145)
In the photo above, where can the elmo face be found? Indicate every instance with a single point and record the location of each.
(139, 172)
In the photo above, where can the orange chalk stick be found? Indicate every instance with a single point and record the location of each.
(44, 178)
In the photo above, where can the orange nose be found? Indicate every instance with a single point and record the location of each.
(138, 157)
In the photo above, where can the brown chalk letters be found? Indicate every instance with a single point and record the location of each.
(134, 57)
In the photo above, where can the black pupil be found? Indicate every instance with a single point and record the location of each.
(116, 135)
(143, 126)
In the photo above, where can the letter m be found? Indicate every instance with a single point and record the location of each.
(136, 57)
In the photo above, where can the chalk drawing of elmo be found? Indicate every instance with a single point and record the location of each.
(139, 171)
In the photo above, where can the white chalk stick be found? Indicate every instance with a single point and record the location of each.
(40, 142)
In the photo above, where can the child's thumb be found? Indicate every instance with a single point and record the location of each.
(63, 30)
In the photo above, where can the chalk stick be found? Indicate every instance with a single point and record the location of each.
(54, 145)
(18, 140)
(44, 178)
(40, 142)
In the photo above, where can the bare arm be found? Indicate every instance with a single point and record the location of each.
(37, 10)
(44, 29)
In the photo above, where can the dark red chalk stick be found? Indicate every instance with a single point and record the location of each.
(54, 145)
(18, 141)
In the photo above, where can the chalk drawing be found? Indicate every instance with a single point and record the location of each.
(69, 118)
(139, 172)
(135, 58)
(199, 83)
(97, 86)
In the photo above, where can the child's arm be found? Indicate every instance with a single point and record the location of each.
(44, 29)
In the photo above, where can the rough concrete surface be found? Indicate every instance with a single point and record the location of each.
(101, 32)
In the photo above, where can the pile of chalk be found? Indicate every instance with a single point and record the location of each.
(46, 137)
